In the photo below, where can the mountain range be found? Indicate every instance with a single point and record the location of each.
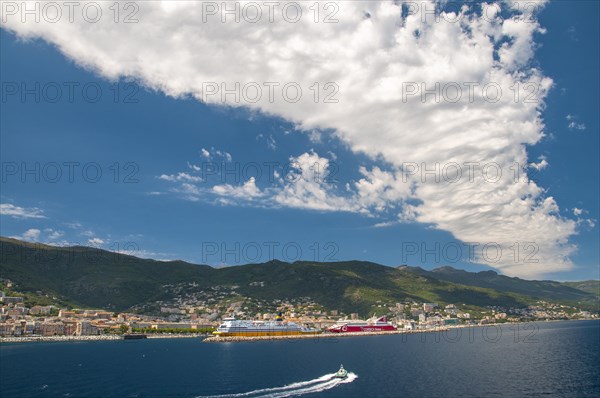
(95, 278)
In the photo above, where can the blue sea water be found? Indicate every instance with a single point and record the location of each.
(538, 359)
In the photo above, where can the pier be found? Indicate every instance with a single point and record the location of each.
(327, 335)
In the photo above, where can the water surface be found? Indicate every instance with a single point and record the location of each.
(541, 359)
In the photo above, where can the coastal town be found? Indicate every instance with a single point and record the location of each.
(203, 311)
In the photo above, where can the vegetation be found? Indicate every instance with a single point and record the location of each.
(94, 278)
(173, 330)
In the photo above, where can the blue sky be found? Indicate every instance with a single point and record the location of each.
(140, 143)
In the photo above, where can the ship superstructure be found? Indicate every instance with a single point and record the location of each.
(236, 327)
(372, 325)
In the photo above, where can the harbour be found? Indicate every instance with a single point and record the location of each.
(408, 365)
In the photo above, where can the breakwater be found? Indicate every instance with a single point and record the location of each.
(28, 339)
(101, 337)
(229, 339)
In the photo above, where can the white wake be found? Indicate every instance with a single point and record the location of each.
(322, 383)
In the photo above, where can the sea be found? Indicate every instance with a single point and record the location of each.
(549, 359)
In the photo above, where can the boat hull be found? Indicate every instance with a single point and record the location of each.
(264, 333)
(360, 328)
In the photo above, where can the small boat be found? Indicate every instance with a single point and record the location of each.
(342, 373)
(135, 336)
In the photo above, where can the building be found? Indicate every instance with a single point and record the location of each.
(41, 310)
(70, 327)
(409, 325)
(11, 300)
(85, 328)
(16, 312)
(415, 312)
(6, 329)
(66, 314)
(103, 315)
(49, 328)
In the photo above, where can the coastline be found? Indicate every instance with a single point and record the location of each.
(104, 337)
(231, 339)
(327, 335)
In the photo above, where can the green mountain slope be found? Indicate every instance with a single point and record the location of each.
(91, 277)
(586, 286)
(543, 290)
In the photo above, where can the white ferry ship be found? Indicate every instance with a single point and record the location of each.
(235, 327)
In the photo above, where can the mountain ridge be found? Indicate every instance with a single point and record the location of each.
(93, 277)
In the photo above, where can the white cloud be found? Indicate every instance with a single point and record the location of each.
(95, 241)
(206, 154)
(541, 165)
(31, 235)
(193, 167)
(48, 236)
(574, 124)
(74, 225)
(180, 177)
(271, 143)
(586, 222)
(310, 185)
(379, 189)
(385, 224)
(225, 155)
(371, 116)
(54, 234)
(7, 209)
(246, 191)
(189, 189)
(590, 223)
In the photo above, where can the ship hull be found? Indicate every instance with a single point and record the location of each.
(234, 327)
(365, 328)
(264, 333)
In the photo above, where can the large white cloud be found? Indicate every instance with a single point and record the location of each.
(376, 56)
(7, 209)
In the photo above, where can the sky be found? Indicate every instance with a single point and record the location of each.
(378, 131)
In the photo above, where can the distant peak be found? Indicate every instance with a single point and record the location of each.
(410, 268)
(489, 272)
(448, 269)
(276, 261)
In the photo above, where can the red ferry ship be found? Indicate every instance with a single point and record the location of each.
(371, 325)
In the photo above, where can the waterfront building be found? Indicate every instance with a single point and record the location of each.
(85, 328)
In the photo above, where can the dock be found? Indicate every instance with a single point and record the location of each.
(326, 335)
